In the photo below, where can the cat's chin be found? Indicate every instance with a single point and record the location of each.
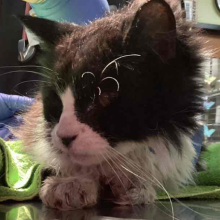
(86, 159)
(82, 159)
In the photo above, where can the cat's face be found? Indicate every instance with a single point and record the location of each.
(119, 81)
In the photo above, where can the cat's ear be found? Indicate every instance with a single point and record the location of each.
(47, 31)
(153, 28)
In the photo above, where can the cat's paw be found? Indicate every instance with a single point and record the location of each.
(69, 193)
(136, 196)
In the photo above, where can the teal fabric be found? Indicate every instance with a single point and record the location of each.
(77, 11)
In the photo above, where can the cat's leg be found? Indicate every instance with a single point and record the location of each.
(128, 189)
(137, 196)
(69, 193)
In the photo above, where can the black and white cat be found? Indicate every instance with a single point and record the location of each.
(118, 106)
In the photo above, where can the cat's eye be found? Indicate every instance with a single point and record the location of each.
(107, 98)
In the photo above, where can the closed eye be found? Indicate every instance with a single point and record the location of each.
(106, 98)
(53, 106)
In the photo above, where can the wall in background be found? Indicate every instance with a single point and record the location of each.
(213, 42)
(207, 12)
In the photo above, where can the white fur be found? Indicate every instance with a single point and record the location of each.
(87, 142)
(134, 170)
(133, 182)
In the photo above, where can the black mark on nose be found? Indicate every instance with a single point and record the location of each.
(68, 140)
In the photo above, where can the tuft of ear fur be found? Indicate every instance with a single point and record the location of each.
(153, 27)
(50, 32)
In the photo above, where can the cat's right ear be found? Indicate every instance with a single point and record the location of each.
(47, 31)
(153, 28)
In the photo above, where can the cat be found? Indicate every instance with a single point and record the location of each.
(117, 107)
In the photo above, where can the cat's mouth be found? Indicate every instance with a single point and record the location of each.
(81, 158)
(85, 159)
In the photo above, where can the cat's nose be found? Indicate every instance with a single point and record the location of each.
(68, 140)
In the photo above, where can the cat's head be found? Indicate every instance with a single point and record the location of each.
(120, 80)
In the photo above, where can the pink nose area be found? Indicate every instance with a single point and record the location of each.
(68, 140)
(68, 128)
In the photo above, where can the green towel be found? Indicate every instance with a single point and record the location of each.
(19, 212)
(20, 177)
(207, 182)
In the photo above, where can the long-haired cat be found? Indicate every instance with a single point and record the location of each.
(117, 107)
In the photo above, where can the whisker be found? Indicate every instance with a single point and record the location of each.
(103, 171)
(29, 66)
(159, 185)
(171, 204)
(27, 71)
(114, 171)
(121, 170)
(121, 57)
(138, 177)
(29, 81)
(88, 73)
(120, 180)
(100, 91)
(187, 207)
(141, 183)
(112, 79)
(116, 66)
(143, 173)
(5, 125)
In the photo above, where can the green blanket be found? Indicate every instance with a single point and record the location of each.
(207, 182)
(20, 177)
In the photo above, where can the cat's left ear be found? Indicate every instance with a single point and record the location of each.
(153, 28)
(47, 31)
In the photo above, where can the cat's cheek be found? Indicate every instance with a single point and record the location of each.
(89, 142)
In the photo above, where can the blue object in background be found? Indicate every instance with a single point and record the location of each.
(208, 132)
(208, 105)
(197, 142)
(77, 11)
(9, 105)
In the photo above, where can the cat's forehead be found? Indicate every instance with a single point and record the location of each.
(89, 48)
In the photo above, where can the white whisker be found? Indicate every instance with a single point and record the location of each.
(29, 66)
(121, 180)
(121, 170)
(29, 81)
(143, 173)
(100, 91)
(88, 73)
(116, 66)
(121, 57)
(157, 184)
(112, 79)
(172, 209)
(27, 71)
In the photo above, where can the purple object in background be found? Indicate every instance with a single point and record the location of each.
(9, 105)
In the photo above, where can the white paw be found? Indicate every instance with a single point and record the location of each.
(136, 196)
(69, 193)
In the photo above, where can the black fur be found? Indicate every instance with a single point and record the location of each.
(160, 91)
